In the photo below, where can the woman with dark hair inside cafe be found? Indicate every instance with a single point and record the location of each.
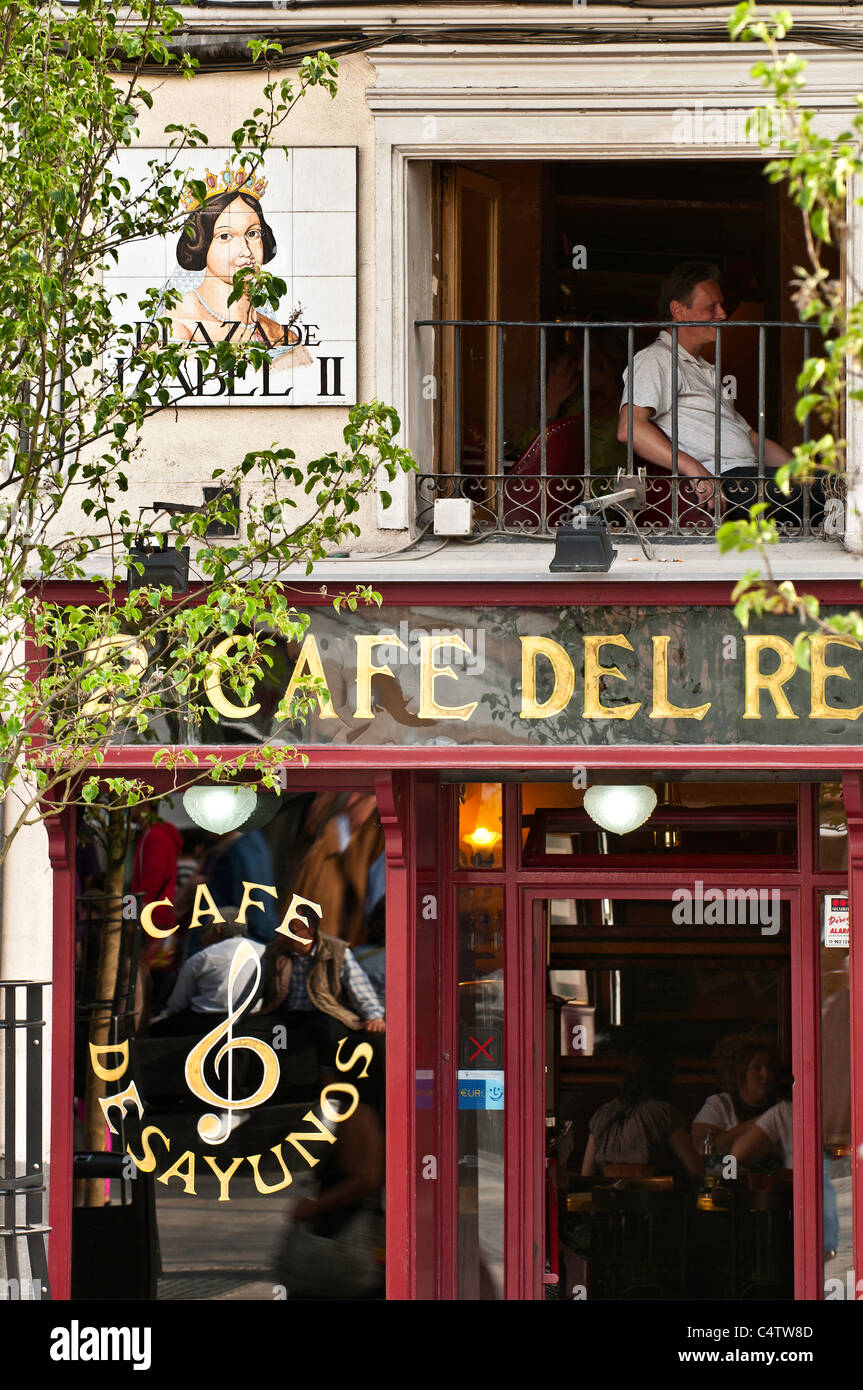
(641, 1127)
(747, 1074)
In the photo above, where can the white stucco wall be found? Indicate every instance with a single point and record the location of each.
(181, 447)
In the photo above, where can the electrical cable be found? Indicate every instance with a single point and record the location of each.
(361, 559)
(806, 31)
(400, 554)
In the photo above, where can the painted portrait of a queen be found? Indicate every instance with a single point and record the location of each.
(225, 233)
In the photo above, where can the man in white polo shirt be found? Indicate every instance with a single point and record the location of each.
(691, 294)
(200, 996)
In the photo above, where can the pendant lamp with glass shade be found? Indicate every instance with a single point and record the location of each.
(220, 809)
(620, 809)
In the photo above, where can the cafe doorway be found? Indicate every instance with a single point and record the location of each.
(718, 978)
(665, 1036)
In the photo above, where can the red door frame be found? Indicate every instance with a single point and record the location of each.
(61, 851)
(853, 794)
(805, 1005)
(395, 807)
(395, 799)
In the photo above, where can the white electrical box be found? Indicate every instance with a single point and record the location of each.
(453, 516)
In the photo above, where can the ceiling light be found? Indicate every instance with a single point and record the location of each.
(620, 809)
(220, 809)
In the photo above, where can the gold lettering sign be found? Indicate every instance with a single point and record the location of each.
(121, 1100)
(772, 682)
(366, 644)
(292, 915)
(564, 678)
(110, 1073)
(818, 644)
(211, 1127)
(337, 1102)
(184, 1169)
(662, 706)
(213, 686)
(147, 919)
(309, 665)
(223, 1174)
(248, 901)
(96, 654)
(593, 673)
(429, 673)
(320, 1134)
(382, 679)
(147, 1162)
(265, 1188)
(204, 906)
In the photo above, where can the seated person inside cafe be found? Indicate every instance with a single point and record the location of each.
(639, 1145)
(747, 1075)
(692, 295)
(768, 1141)
(641, 1127)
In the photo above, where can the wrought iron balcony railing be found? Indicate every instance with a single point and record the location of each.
(530, 488)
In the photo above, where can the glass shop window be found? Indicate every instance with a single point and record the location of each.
(749, 820)
(229, 1049)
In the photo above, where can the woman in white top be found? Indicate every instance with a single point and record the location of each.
(747, 1071)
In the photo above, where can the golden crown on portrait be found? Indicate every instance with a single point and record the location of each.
(228, 180)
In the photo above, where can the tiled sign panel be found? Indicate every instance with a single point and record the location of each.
(295, 216)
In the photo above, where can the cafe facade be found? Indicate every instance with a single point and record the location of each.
(524, 943)
(608, 815)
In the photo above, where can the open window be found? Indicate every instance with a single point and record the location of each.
(550, 274)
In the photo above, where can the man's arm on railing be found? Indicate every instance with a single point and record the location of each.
(650, 442)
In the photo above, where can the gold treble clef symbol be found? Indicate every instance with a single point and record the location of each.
(211, 1127)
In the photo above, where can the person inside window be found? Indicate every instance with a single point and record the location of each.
(770, 1133)
(747, 1074)
(693, 298)
(642, 1126)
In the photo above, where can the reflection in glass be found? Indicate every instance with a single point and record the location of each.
(293, 1199)
(832, 827)
(480, 1094)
